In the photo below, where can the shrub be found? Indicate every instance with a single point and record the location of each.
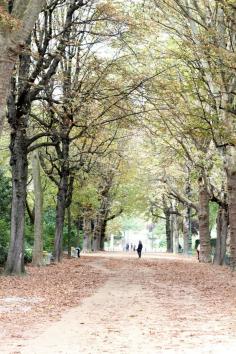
(28, 255)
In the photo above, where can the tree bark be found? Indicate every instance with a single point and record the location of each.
(169, 235)
(97, 234)
(80, 228)
(87, 229)
(69, 232)
(18, 120)
(103, 233)
(60, 216)
(37, 259)
(13, 36)
(175, 232)
(7, 62)
(64, 194)
(222, 231)
(203, 215)
(19, 165)
(231, 182)
(187, 232)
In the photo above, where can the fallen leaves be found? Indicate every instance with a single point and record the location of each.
(44, 293)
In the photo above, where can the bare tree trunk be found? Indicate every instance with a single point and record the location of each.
(18, 109)
(7, 62)
(203, 215)
(87, 229)
(175, 231)
(231, 181)
(80, 228)
(222, 230)
(19, 165)
(169, 235)
(187, 231)
(103, 233)
(12, 39)
(38, 218)
(64, 194)
(97, 234)
(69, 232)
(60, 217)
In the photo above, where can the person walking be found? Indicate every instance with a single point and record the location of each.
(139, 249)
(198, 252)
(78, 251)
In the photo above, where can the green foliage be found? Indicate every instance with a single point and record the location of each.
(212, 242)
(29, 232)
(4, 239)
(49, 229)
(5, 196)
(213, 210)
(160, 233)
(75, 240)
(132, 223)
(5, 207)
(28, 254)
(80, 240)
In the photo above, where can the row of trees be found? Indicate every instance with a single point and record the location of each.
(68, 109)
(97, 79)
(193, 133)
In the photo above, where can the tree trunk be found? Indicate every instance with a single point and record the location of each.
(222, 231)
(7, 62)
(231, 182)
(203, 215)
(80, 228)
(60, 216)
(103, 233)
(69, 232)
(169, 234)
(97, 234)
(18, 120)
(38, 218)
(187, 232)
(12, 40)
(175, 232)
(87, 229)
(64, 194)
(19, 165)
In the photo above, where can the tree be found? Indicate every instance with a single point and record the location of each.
(17, 19)
(207, 30)
(22, 96)
(37, 258)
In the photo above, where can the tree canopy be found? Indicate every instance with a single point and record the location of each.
(128, 110)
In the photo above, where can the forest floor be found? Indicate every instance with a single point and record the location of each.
(119, 304)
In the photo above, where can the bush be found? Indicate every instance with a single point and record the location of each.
(49, 229)
(4, 240)
(3, 255)
(28, 255)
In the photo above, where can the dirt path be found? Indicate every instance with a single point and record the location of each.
(146, 306)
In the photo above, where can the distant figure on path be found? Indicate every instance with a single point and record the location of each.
(198, 252)
(78, 251)
(127, 247)
(139, 249)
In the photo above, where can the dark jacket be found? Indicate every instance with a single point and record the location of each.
(140, 247)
